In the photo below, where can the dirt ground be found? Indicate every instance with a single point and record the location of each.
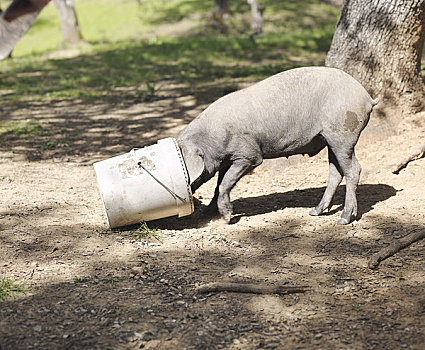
(94, 288)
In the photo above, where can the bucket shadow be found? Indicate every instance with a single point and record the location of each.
(367, 196)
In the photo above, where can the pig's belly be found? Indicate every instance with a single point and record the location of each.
(282, 149)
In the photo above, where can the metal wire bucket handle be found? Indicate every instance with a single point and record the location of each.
(139, 163)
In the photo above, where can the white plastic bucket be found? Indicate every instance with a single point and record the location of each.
(145, 184)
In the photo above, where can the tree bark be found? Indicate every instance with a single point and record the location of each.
(19, 8)
(221, 8)
(70, 29)
(257, 17)
(420, 152)
(15, 21)
(395, 247)
(380, 42)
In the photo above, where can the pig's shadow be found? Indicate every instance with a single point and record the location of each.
(367, 197)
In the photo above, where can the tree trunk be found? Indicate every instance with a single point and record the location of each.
(380, 42)
(12, 32)
(257, 17)
(71, 34)
(221, 9)
(15, 21)
(19, 8)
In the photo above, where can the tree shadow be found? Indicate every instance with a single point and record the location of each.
(84, 105)
(141, 301)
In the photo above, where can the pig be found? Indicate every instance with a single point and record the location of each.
(298, 111)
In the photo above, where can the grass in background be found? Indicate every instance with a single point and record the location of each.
(124, 51)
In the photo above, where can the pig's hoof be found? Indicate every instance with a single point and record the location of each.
(343, 221)
(313, 212)
(226, 218)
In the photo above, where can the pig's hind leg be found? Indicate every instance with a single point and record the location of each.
(346, 162)
(335, 177)
(351, 168)
(237, 169)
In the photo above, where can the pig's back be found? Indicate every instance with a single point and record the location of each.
(296, 91)
(286, 111)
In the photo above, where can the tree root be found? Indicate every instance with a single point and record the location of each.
(250, 288)
(417, 154)
(395, 247)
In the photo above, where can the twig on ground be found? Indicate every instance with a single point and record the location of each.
(417, 154)
(291, 235)
(395, 247)
(250, 288)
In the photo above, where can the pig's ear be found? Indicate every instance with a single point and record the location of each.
(194, 164)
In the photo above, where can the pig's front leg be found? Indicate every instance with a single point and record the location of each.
(212, 209)
(238, 169)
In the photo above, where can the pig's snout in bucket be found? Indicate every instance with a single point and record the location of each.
(145, 184)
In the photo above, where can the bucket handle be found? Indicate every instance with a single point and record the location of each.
(139, 163)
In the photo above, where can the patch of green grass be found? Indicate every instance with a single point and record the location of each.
(10, 288)
(357, 307)
(143, 232)
(422, 303)
(18, 129)
(111, 279)
(6, 178)
(150, 92)
(196, 62)
(79, 279)
(46, 145)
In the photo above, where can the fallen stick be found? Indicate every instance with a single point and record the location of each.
(395, 247)
(250, 288)
(414, 155)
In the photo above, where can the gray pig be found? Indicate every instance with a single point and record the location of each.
(299, 111)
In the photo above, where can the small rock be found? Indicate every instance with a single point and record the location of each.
(318, 335)
(37, 328)
(138, 336)
(147, 336)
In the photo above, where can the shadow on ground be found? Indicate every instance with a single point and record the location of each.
(150, 300)
(367, 196)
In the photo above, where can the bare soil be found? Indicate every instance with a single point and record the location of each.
(94, 288)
